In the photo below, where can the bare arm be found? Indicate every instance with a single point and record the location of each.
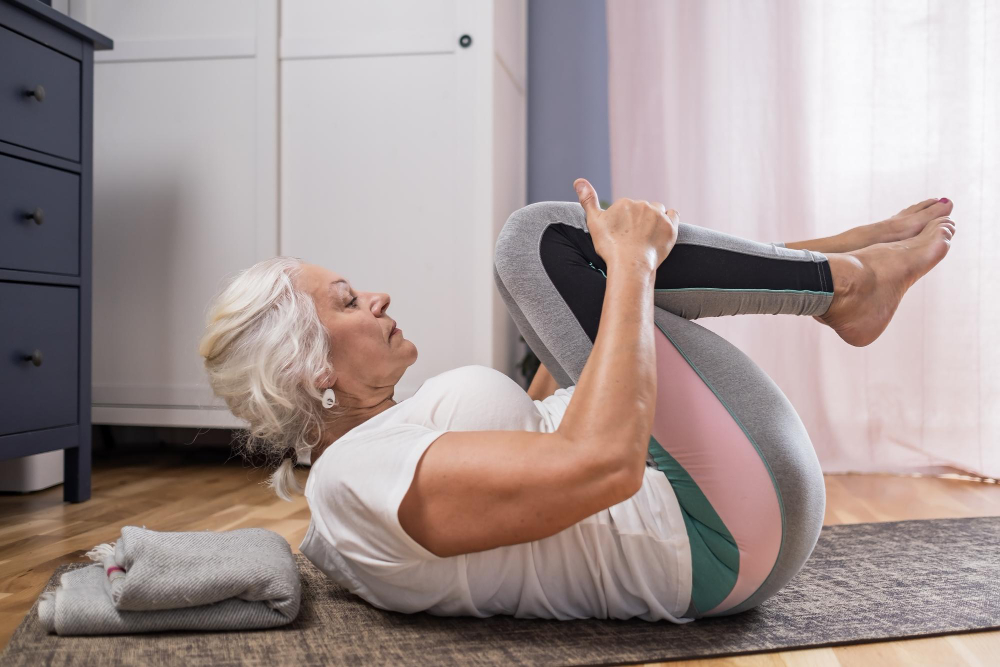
(543, 384)
(615, 398)
(477, 490)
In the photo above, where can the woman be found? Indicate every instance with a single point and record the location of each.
(677, 483)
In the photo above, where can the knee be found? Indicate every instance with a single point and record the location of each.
(519, 237)
(795, 467)
(806, 488)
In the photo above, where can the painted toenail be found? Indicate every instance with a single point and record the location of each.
(943, 200)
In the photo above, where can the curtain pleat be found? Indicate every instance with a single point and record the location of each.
(784, 121)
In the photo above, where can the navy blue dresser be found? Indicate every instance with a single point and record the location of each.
(46, 107)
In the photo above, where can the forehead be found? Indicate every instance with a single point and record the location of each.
(324, 281)
(336, 286)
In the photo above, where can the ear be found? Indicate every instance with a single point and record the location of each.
(328, 380)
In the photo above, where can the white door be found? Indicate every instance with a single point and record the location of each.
(185, 192)
(378, 164)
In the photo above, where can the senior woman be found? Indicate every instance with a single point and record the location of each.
(666, 478)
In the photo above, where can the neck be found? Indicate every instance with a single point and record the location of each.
(353, 415)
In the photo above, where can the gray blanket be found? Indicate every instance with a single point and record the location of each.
(151, 581)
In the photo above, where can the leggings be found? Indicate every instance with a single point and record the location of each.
(734, 450)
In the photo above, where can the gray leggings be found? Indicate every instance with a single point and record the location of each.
(736, 453)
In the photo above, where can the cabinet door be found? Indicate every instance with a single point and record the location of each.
(184, 188)
(378, 162)
(40, 322)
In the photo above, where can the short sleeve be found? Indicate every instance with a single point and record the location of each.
(357, 491)
(552, 408)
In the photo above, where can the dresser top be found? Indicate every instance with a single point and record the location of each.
(57, 18)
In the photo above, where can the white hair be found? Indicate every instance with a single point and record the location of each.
(265, 349)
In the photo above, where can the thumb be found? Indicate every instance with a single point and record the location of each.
(588, 197)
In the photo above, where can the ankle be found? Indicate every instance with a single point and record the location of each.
(841, 242)
(862, 237)
(848, 273)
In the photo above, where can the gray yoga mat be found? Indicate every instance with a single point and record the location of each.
(864, 582)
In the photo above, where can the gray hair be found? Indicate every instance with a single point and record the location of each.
(265, 349)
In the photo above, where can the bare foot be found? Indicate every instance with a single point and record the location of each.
(869, 283)
(906, 224)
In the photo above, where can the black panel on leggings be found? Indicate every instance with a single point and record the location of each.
(572, 263)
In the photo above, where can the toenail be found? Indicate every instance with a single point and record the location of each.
(943, 200)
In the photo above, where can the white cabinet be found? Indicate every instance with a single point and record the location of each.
(359, 135)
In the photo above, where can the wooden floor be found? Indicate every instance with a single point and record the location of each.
(198, 489)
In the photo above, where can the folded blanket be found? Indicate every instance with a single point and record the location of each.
(151, 581)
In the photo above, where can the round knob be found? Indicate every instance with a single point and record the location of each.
(38, 92)
(465, 41)
(35, 357)
(38, 215)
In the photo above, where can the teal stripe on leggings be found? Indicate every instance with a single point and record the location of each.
(715, 558)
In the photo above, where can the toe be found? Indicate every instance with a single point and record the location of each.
(919, 206)
(930, 227)
(940, 208)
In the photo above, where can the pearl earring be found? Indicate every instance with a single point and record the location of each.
(329, 398)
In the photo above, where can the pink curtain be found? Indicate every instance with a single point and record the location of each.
(785, 121)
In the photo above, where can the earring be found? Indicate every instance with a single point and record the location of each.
(329, 398)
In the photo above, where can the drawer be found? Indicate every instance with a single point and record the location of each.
(42, 318)
(50, 124)
(52, 198)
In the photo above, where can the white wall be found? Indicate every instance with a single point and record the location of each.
(359, 136)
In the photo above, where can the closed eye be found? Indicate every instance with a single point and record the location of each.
(352, 302)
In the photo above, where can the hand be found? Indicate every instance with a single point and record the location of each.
(630, 230)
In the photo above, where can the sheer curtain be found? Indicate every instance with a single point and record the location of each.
(784, 121)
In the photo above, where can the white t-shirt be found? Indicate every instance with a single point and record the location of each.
(630, 560)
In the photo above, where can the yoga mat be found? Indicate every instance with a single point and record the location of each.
(864, 582)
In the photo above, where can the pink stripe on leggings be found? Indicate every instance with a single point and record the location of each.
(693, 425)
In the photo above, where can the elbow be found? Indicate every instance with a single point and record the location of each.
(636, 477)
(628, 477)
(617, 472)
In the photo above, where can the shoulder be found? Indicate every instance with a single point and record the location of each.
(474, 383)
(471, 373)
(474, 397)
(368, 474)
(355, 492)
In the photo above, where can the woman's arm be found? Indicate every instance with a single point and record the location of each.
(543, 384)
(615, 396)
(477, 490)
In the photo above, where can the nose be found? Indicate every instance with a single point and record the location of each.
(382, 301)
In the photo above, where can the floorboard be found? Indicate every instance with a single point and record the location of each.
(205, 489)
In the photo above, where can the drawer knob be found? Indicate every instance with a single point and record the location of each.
(38, 92)
(35, 357)
(38, 215)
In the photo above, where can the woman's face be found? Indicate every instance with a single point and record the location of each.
(364, 355)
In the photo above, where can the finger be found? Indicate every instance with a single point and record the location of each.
(658, 205)
(674, 216)
(588, 197)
